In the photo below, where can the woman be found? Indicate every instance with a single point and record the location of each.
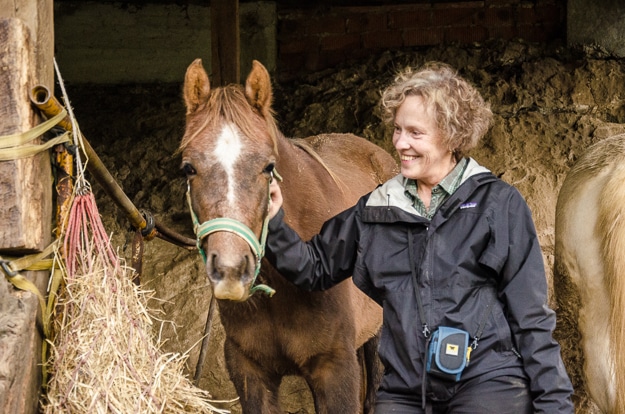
(445, 244)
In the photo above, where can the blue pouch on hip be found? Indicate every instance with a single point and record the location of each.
(447, 353)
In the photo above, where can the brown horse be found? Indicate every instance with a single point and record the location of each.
(589, 274)
(230, 150)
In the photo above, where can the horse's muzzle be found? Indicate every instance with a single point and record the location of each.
(231, 276)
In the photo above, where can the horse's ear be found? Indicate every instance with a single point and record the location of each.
(258, 88)
(196, 88)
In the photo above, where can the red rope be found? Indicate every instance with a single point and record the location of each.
(86, 238)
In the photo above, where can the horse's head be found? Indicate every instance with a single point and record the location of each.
(228, 155)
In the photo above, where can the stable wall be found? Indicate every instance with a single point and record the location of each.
(106, 42)
(103, 42)
(311, 40)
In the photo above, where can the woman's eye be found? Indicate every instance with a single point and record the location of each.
(188, 169)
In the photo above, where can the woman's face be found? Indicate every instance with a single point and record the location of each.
(418, 142)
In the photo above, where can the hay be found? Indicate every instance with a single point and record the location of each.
(104, 357)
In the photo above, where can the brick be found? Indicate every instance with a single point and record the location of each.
(550, 13)
(455, 16)
(526, 15)
(423, 37)
(532, 33)
(324, 24)
(503, 32)
(288, 28)
(291, 60)
(409, 19)
(331, 35)
(340, 42)
(498, 16)
(541, 32)
(383, 40)
(313, 62)
(361, 23)
(554, 30)
(302, 45)
(466, 35)
(504, 3)
(328, 59)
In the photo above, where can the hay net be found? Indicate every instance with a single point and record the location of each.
(104, 354)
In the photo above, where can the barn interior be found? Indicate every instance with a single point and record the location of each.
(553, 70)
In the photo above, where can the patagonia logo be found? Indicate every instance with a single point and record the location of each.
(468, 205)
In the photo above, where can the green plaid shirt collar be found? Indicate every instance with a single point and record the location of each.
(440, 192)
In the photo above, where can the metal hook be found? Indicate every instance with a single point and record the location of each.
(6, 267)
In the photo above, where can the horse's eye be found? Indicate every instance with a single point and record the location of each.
(269, 168)
(188, 169)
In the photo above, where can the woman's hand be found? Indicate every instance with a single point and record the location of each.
(275, 196)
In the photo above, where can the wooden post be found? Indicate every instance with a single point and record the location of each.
(26, 60)
(225, 42)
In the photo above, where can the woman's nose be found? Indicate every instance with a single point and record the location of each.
(400, 140)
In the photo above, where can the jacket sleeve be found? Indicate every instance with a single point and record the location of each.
(524, 291)
(324, 261)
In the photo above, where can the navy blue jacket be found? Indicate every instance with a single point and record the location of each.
(480, 243)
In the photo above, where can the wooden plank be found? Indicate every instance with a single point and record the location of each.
(25, 184)
(20, 358)
(225, 42)
(27, 39)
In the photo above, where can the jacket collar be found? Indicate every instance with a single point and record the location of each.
(399, 207)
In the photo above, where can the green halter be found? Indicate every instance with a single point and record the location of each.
(234, 226)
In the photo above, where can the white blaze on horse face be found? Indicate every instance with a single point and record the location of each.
(228, 151)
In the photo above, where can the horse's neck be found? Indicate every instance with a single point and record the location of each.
(289, 159)
(286, 150)
(307, 189)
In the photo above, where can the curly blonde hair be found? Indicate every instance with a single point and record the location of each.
(462, 115)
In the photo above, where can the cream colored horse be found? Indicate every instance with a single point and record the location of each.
(589, 276)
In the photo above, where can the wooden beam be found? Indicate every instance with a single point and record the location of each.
(26, 204)
(225, 42)
(25, 184)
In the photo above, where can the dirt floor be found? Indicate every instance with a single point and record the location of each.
(550, 103)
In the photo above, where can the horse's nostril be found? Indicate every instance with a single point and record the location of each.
(212, 267)
(242, 269)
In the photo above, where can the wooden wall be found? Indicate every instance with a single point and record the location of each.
(27, 38)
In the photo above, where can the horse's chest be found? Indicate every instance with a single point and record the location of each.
(267, 337)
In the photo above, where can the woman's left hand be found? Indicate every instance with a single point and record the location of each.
(275, 196)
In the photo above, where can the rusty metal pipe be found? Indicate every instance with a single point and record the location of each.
(64, 159)
(50, 106)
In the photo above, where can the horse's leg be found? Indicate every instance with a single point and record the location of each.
(256, 387)
(334, 380)
(373, 372)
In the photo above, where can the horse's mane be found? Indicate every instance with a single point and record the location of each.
(304, 145)
(229, 104)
